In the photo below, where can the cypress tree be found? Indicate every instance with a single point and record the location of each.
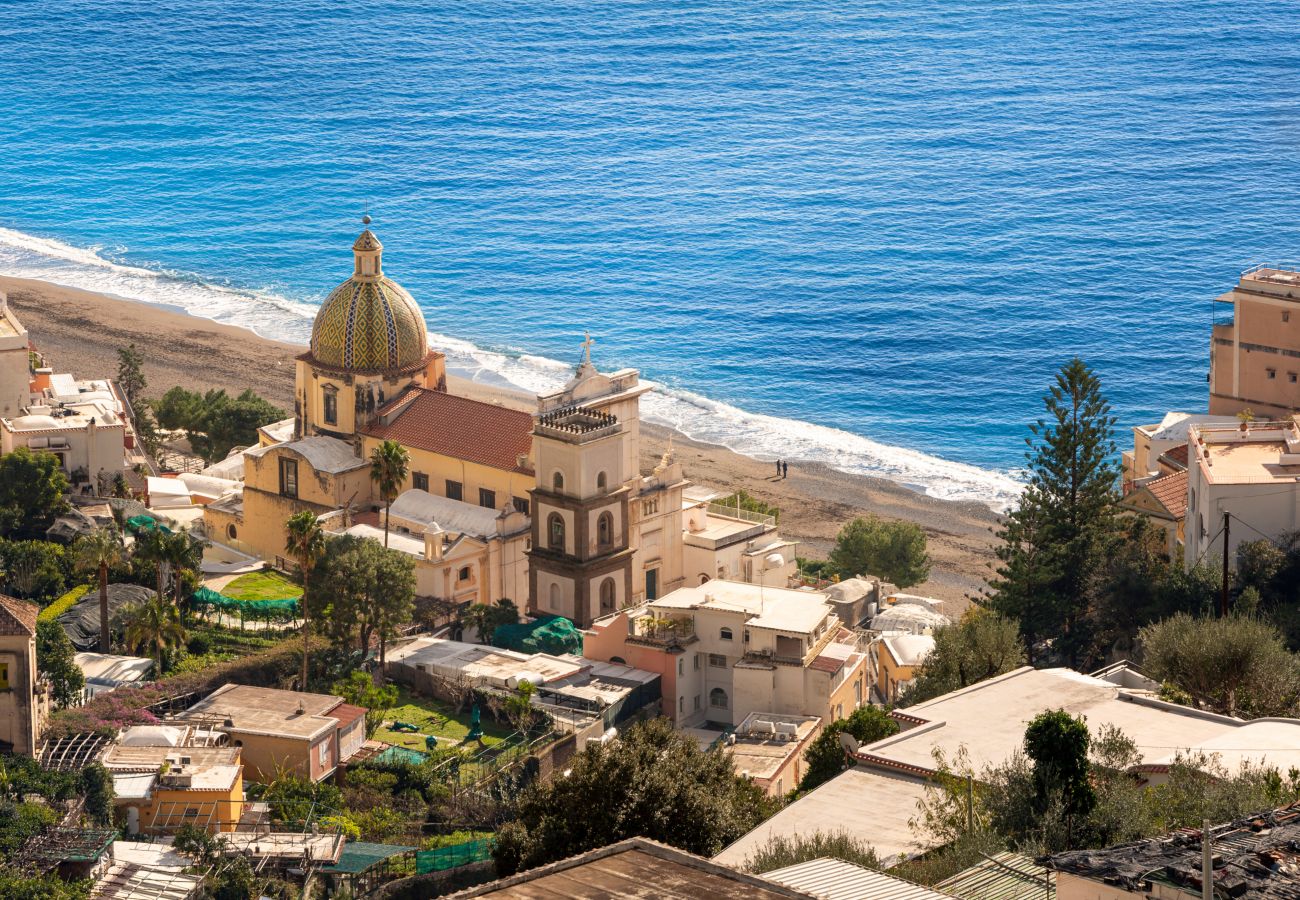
(1055, 542)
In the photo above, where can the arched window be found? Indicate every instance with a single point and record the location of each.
(718, 698)
(608, 596)
(602, 483)
(704, 578)
(724, 634)
(604, 530)
(557, 482)
(555, 532)
(618, 659)
(555, 596)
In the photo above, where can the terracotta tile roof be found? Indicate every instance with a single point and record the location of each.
(17, 617)
(458, 427)
(1176, 455)
(825, 663)
(1171, 491)
(346, 714)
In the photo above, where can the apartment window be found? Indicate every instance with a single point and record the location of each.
(1290, 376)
(1286, 317)
(4, 676)
(717, 661)
(487, 499)
(455, 490)
(697, 702)
(288, 477)
(521, 505)
(725, 634)
(718, 698)
(463, 574)
(681, 667)
(652, 584)
(555, 532)
(650, 507)
(697, 662)
(331, 406)
(1272, 373)
(420, 481)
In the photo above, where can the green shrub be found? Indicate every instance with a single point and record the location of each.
(63, 603)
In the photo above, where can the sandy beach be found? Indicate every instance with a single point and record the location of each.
(80, 331)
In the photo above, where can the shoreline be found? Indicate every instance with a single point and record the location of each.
(80, 331)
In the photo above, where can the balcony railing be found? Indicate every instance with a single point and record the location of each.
(745, 515)
(662, 632)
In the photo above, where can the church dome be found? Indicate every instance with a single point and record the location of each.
(369, 323)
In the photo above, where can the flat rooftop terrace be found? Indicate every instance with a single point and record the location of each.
(1268, 453)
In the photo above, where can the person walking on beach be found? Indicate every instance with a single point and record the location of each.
(778, 468)
(785, 469)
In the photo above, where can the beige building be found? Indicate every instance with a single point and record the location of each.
(15, 362)
(733, 544)
(898, 656)
(1161, 448)
(307, 734)
(768, 749)
(726, 649)
(1255, 357)
(464, 553)
(24, 697)
(1251, 472)
(162, 788)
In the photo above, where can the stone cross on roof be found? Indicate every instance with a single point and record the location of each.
(586, 348)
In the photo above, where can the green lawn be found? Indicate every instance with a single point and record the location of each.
(432, 717)
(267, 585)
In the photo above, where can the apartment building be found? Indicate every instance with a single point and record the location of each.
(727, 649)
(1255, 355)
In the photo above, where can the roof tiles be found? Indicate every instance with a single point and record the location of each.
(458, 427)
(1171, 491)
(17, 617)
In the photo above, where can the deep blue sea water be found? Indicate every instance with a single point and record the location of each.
(861, 232)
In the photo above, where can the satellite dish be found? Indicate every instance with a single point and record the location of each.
(848, 742)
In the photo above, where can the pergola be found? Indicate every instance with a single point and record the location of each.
(74, 752)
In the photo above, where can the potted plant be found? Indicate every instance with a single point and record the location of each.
(1246, 416)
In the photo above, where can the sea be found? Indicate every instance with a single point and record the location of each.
(865, 234)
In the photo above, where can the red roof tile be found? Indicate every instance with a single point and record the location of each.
(458, 427)
(1176, 455)
(1171, 491)
(826, 664)
(346, 714)
(17, 617)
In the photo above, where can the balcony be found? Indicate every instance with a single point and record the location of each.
(667, 631)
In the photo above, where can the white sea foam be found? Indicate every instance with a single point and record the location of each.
(698, 417)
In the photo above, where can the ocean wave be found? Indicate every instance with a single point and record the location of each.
(700, 418)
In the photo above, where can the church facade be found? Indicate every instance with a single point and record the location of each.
(547, 508)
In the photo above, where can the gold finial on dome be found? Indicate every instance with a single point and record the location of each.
(368, 253)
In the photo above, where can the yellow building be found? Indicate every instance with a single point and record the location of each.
(24, 699)
(898, 656)
(162, 788)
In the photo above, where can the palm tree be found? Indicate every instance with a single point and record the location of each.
(182, 553)
(388, 464)
(96, 552)
(155, 626)
(305, 542)
(149, 548)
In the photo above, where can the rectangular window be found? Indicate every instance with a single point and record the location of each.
(331, 408)
(1272, 373)
(288, 477)
(717, 660)
(681, 704)
(4, 676)
(652, 584)
(697, 662)
(420, 481)
(681, 667)
(487, 499)
(454, 490)
(1290, 376)
(521, 505)
(697, 702)
(1286, 317)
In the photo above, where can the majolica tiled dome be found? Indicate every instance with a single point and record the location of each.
(369, 323)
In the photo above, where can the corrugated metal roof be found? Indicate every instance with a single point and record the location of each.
(835, 879)
(1005, 876)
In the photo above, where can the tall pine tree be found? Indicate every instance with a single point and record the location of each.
(1054, 543)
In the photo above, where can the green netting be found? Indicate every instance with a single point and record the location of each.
(545, 634)
(360, 856)
(146, 523)
(399, 755)
(208, 597)
(427, 861)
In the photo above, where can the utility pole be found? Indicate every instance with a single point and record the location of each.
(1207, 862)
(1223, 596)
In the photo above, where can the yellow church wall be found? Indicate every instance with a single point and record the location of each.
(507, 484)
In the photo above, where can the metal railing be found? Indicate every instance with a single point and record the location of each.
(735, 512)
